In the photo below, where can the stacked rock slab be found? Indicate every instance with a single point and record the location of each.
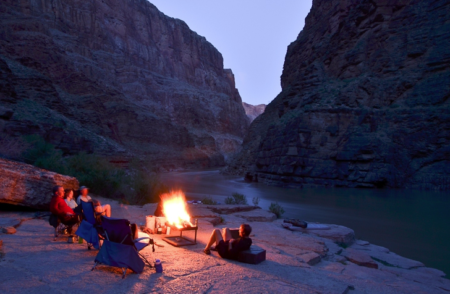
(365, 100)
(26, 185)
(117, 78)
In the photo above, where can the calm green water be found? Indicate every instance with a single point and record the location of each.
(414, 224)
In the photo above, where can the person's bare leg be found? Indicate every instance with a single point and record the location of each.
(107, 210)
(226, 233)
(215, 237)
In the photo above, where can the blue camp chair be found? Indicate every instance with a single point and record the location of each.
(119, 249)
(90, 229)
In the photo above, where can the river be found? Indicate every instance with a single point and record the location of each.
(413, 224)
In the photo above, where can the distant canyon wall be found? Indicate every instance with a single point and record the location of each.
(253, 111)
(116, 78)
(365, 101)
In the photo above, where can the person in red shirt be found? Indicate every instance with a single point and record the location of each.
(59, 207)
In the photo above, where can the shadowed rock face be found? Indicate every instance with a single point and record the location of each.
(364, 101)
(253, 111)
(118, 78)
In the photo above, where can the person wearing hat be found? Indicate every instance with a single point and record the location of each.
(83, 195)
(99, 209)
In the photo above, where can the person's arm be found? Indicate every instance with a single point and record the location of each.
(239, 245)
(230, 244)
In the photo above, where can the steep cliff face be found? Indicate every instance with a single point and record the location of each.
(364, 101)
(118, 78)
(253, 111)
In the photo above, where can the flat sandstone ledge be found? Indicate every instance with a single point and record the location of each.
(296, 262)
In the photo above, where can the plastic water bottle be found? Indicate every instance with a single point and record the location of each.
(158, 266)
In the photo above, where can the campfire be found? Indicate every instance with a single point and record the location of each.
(177, 217)
(174, 209)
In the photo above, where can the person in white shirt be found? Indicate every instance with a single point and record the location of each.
(100, 209)
(83, 195)
(68, 197)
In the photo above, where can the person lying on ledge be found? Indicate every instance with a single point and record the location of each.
(226, 246)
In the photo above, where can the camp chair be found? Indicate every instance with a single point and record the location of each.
(119, 249)
(90, 229)
(58, 224)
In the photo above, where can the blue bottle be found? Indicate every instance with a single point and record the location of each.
(158, 266)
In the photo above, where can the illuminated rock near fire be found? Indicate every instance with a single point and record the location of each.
(25, 185)
(364, 101)
(117, 78)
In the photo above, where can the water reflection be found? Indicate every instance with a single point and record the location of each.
(413, 224)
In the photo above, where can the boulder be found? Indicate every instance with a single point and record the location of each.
(25, 185)
(395, 260)
(9, 222)
(338, 234)
(362, 243)
(359, 257)
(310, 258)
(384, 255)
(9, 230)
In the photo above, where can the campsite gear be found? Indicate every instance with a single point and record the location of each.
(80, 240)
(150, 222)
(158, 266)
(180, 240)
(297, 223)
(168, 231)
(55, 222)
(159, 230)
(70, 239)
(119, 249)
(310, 227)
(254, 255)
(160, 221)
(90, 228)
(146, 230)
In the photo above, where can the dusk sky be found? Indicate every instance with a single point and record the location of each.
(252, 36)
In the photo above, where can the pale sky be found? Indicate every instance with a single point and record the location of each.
(252, 36)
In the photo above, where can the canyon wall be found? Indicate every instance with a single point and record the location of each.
(115, 78)
(253, 111)
(365, 100)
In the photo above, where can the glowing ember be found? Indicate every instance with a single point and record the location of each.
(174, 208)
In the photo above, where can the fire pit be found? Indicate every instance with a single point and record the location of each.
(174, 208)
(178, 241)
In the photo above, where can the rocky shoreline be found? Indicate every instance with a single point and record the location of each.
(305, 261)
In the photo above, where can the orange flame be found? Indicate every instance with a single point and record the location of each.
(174, 208)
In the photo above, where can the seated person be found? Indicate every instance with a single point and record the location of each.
(83, 195)
(226, 246)
(60, 208)
(102, 209)
(68, 197)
